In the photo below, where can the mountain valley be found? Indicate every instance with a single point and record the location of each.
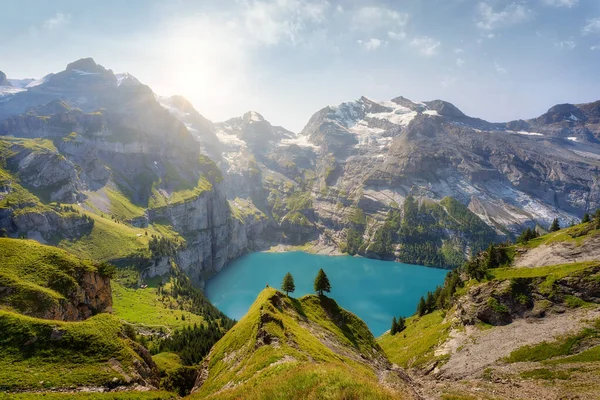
(117, 205)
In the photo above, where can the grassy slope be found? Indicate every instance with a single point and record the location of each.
(167, 362)
(110, 240)
(299, 365)
(37, 353)
(152, 395)
(38, 276)
(146, 307)
(575, 234)
(414, 347)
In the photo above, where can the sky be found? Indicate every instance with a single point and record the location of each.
(494, 59)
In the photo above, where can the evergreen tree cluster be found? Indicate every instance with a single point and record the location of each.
(398, 325)
(555, 226)
(181, 286)
(441, 298)
(478, 266)
(192, 343)
(423, 232)
(162, 246)
(354, 242)
(528, 234)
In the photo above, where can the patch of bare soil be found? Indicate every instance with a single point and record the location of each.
(472, 350)
(476, 368)
(560, 253)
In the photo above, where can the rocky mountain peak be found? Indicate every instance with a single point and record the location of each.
(444, 108)
(562, 112)
(3, 81)
(252, 116)
(404, 102)
(86, 65)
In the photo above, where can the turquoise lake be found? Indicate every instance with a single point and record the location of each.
(374, 290)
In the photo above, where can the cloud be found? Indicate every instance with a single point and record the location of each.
(595, 47)
(271, 23)
(371, 44)
(566, 44)
(499, 70)
(561, 3)
(592, 26)
(397, 35)
(372, 18)
(59, 19)
(427, 46)
(489, 19)
(460, 62)
(458, 50)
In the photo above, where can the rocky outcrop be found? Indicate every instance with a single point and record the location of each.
(3, 80)
(43, 225)
(213, 235)
(91, 296)
(501, 302)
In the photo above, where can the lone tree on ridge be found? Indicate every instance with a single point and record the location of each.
(322, 283)
(288, 285)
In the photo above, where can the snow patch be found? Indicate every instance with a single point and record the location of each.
(524, 133)
(228, 138)
(573, 118)
(255, 117)
(37, 82)
(300, 140)
(400, 116)
(127, 79)
(573, 138)
(20, 83)
(6, 91)
(84, 73)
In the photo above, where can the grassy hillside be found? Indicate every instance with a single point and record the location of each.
(38, 354)
(307, 348)
(473, 333)
(38, 277)
(415, 346)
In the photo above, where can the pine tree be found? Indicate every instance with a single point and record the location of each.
(429, 303)
(586, 218)
(288, 285)
(421, 307)
(401, 325)
(322, 283)
(394, 328)
(555, 225)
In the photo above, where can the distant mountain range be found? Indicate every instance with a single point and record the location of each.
(117, 143)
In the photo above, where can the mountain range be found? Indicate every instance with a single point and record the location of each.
(116, 204)
(108, 143)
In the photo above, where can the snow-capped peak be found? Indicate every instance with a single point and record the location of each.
(126, 79)
(253, 116)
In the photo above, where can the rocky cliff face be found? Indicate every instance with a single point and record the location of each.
(92, 295)
(214, 236)
(45, 282)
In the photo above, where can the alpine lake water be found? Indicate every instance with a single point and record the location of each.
(374, 290)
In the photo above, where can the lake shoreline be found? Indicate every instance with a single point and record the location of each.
(310, 248)
(319, 248)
